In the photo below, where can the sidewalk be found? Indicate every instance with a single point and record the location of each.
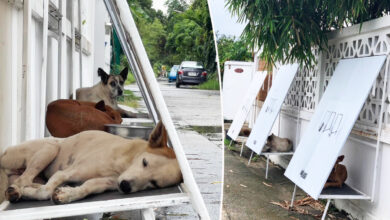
(248, 195)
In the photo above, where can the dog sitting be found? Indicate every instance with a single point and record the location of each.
(277, 144)
(96, 160)
(110, 87)
(338, 175)
(65, 118)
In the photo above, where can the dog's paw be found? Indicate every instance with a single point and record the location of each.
(62, 195)
(12, 194)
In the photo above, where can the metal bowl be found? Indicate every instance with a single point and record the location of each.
(131, 130)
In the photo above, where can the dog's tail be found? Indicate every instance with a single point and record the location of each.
(3, 182)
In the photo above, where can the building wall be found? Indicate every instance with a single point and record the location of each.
(24, 96)
(359, 150)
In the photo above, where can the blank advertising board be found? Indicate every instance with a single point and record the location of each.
(246, 102)
(332, 122)
(271, 107)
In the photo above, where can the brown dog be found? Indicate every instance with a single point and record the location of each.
(65, 118)
(338, 175)
(96, 160)
(108, 90)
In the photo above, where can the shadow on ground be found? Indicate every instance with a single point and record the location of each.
(248, 195)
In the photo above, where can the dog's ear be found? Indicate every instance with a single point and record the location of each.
(124, 73)
(103, 75)
(339, 159)
(158, 137)
(269, 139)
(101, 106)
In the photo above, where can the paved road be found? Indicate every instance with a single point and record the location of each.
(197, 117)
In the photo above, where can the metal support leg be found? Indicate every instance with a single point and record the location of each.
(230, 144)
(242, 147)
(266, 167)
(293, 196)
(148, 214)
(250, 158)
(326, 209)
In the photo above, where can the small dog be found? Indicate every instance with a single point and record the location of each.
(65, 117)
(277, 144)
(110, 87)
(96, 160)
(338, 175)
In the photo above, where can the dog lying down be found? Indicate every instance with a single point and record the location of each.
(338, 175)
(97, 160)
(277, 144)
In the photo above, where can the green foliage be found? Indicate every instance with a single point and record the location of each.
(191, 36)
(185, 33)
(212, 83)
(129, 99)
(287, 30)
(230, 48)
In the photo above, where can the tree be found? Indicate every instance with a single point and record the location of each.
(287, 30)
(230, 48)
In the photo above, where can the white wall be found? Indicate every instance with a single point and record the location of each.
(20, 114)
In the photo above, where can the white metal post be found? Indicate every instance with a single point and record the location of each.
(379, 131)
(293, 196)
(266, 167)
(326, 209)
(62, 57)
(250, 158)
(242, 148)
(26, 68)
(44, 68)
(148, 214)
(81, 46)
(73, 31)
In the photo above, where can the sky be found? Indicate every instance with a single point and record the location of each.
(159, 5)
(223, 21)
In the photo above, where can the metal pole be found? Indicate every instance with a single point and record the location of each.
(250, 158)
(266, 167)
(129, 49)
(73, 30)
(379, 131)
(242, 148)
(81, 46)
(325, 210)
(23, 122)
(45, 25)
(293, 196)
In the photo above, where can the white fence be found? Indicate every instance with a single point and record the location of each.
(39, 64)
(305, 93)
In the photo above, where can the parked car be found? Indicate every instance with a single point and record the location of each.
(172, 74)
(190, 73)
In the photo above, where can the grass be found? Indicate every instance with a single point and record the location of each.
(130, 79)
(211, 84)
(129, 99)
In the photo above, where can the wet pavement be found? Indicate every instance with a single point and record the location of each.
(197, 117)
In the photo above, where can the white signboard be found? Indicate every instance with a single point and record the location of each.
(246, 102)
(271, 107)
(236, 78)
(332, 122)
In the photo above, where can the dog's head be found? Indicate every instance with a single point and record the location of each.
(115, 115)
(113, 83)
(154, 167)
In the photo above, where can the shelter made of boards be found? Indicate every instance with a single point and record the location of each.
(57, 31)
(340, 107)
